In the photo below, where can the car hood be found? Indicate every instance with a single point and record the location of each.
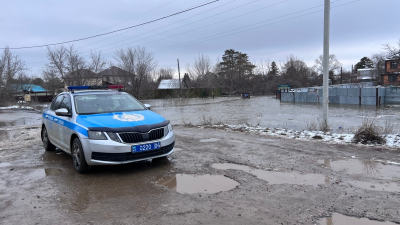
(122, 121)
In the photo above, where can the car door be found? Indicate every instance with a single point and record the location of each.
(63, 121)
(52, 125)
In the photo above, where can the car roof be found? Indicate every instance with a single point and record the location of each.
(86, 92)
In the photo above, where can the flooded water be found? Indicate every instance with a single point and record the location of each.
(270, 112)
(192, 184)
(338, 219)
(366, 167)
(10, 118)
(276, 177)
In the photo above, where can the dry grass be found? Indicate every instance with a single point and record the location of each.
(369, 132)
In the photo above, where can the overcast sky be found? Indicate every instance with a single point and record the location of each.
(281, 28)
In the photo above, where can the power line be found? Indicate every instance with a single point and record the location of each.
(160, 27)
(126, 28)
(209, 38)
(157, 28)
(224, 21)
(190, 24)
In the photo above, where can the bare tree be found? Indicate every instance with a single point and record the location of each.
(334, 64)
(393, 52)
(70, 66)
(97, 62)
(165, 73)
(11, 66)
(139, 62)
(201, 66)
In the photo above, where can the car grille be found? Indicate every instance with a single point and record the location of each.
(140, 137)
(128, 156)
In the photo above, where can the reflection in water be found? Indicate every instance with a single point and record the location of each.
(338, 219)
(208, 184)
(276, 177)
(366, 167)
(52, 171)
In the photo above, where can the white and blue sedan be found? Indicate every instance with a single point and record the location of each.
(104, 127)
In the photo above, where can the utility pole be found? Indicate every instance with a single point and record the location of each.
(341, 75)
(325, 101)
(180, 85)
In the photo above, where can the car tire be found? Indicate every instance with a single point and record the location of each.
(48, 146)
(78, 157)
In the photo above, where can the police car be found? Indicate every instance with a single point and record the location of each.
(104, 127)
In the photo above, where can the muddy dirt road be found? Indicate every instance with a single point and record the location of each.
(214, 177)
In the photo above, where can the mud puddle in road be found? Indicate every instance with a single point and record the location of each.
(55, 156)
(209, 140)
(41, 173)
(203, 184)
(275, 177)
(389, 187)
(338, 219)
(365, 167)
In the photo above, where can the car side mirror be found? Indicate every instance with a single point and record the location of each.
(62, 112)
(148, 106)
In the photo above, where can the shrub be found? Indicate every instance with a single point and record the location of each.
(369, 132)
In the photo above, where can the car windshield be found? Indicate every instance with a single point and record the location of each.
(106, 103)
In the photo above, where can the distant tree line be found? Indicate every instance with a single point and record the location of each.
(232, 73)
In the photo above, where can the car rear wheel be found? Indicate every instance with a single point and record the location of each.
(78, 157)
(48, 146)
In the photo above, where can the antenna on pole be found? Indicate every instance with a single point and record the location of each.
(325, 101)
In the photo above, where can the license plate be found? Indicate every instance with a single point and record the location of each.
(146, 147)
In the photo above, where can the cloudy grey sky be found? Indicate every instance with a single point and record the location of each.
(264, 29)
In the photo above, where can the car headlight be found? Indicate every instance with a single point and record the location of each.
(113, 136)
(96, 135)
(167, 129)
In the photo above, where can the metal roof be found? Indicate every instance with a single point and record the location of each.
(170, 84)
(27, 87)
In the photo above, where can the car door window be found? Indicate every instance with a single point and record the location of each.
(56, 103)
(65, 103)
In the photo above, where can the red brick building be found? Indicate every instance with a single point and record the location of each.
(392, 73)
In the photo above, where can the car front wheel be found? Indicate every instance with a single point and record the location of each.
(78, 157)
(48, 146)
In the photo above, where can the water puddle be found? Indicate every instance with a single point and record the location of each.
(41, 173)
(5, 164)
(55, 156)
(275, 177)
(338, 219)
(389, 187)
(209, 140)
(52, 171)
(366, 167)
(191, 184)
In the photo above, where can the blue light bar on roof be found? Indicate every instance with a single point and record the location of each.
(95, 87)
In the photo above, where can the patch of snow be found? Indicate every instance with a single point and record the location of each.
(392, 141)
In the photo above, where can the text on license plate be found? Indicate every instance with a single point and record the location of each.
(146, 147)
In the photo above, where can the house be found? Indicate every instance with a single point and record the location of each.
(82, 77)
(392, 72)
(31, 92)
(115, 75)
(110, 76)
(367, 74)
(172, 84)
